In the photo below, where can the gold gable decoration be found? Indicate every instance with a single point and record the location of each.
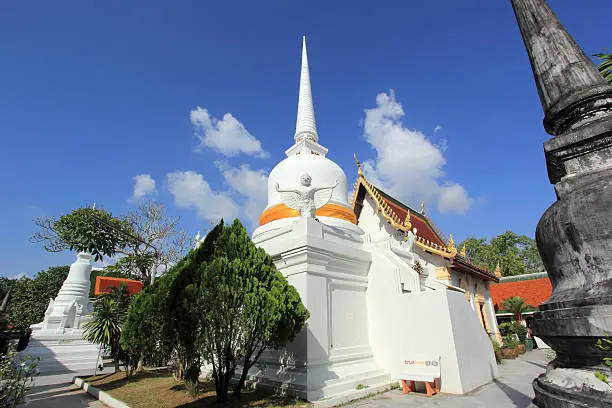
(388, 214)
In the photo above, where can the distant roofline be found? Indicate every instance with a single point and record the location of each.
(524, 277)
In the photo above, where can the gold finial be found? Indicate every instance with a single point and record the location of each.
(407, 222)
(422, 207)
(463, 251)
(452, 249)
(498, 271)
(359, 171)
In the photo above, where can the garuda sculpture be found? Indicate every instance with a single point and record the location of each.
(306, 198)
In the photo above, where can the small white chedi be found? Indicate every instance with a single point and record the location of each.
(71, 308)
(57, 340)
(378, 291)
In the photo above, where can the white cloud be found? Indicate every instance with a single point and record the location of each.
(252, 185)
(227, 136)
(144, 185)
(407, 164)
(190, 190)
(437, 129)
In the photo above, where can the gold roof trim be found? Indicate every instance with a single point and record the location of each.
(403, 225)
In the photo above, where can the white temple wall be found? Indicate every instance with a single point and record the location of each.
(427, 323)
(332, 354)
(374, 226)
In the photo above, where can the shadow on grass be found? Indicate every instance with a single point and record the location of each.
(247, 399)
(111, 381)
(142, 389)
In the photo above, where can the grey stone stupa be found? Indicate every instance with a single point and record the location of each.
(574, 235)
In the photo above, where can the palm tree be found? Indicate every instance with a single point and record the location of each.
(605, 67)
(517, 306)
(108, 317)
(105, 327)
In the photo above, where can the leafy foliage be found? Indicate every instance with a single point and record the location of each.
(605, 67)
(510, 342)
(145, 240)
(510, 328)
(497, 351)
(144, 328)
(5, 285)
(16, 378)
(516, 254)
(517, 306)
(84, 229)
(30, 297)
(224, 303)
(604, 344)
(248, 307)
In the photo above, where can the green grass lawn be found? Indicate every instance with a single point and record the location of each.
(161, 389)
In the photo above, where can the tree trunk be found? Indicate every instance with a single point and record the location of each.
(238, 388)
(140, 366)
(191, 374)
(221, 387)
(116, 362)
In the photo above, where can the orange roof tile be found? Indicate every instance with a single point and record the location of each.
(534, 291)
(105, 283)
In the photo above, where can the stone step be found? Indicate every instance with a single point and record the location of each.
(367, 379)
(63, 355)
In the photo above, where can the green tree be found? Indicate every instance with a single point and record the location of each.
(248, 306)
(146, 326)
(516, 254)
(105, 327)
(605, 67)
(145, 240)
(5, 285)
(16, 377)
(92, 230)
(30, 297)
(517, 306)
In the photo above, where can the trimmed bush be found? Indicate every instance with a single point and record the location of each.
(507, 329)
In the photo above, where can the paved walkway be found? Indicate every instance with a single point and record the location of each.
(52, 391)
(512, 389)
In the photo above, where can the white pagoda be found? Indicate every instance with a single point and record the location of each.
(381, 284)
(57, 340)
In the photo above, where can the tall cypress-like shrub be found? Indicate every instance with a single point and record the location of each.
(248, 307)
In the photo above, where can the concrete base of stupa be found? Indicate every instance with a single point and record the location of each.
(61, 353)
(331, 359)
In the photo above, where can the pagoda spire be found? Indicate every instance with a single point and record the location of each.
(305, 126)
(572, 91)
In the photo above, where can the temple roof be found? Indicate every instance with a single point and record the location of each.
(404, 218)
(535, 288)
(425, 227)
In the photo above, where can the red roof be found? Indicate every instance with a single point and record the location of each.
(417, 220)
(534, 291)
(105, 283)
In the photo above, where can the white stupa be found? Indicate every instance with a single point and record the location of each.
(382, 285)
(323, 258)
(57, 340)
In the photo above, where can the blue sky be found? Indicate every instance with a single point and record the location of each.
(93, 94)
